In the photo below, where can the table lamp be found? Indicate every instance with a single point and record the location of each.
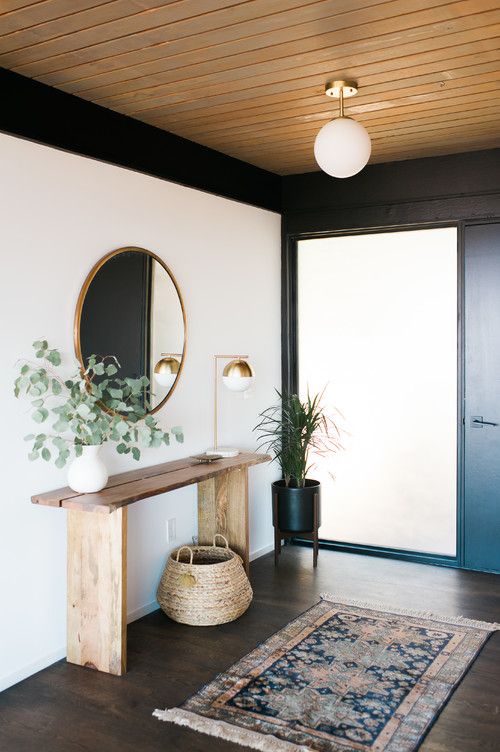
(237, 376)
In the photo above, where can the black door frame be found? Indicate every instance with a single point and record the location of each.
(290, 366)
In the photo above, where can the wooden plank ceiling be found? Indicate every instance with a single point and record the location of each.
(246, 77)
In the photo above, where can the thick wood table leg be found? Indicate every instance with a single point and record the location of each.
(97, 590)
(223, 508)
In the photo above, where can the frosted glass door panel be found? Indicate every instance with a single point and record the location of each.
(377, 325)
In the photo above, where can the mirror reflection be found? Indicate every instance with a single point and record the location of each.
(130, 307)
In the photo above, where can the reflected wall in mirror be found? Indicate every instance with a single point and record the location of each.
(130, 306)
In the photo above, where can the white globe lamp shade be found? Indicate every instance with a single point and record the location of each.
(165, 379)
(342, 147)
(237, 376)
(166, 371)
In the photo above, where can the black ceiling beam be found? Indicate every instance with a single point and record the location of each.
(41, 113)
(429, 189)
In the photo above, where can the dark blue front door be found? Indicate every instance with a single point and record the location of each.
(482, 397)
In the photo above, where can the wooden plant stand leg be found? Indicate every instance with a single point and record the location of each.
(97, 590)
(277, 534)
(223, 508)
(315, 530)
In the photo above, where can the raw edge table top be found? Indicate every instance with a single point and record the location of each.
(134, 485)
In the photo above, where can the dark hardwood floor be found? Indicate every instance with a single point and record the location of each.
(69, 709)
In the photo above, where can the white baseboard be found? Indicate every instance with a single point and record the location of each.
(47, 660)
(138, 613)
(261, 551)
(31, 668)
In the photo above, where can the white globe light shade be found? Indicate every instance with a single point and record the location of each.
(237, 375)
(342, 147)
(166, 371)
(165, 379)
(237, 383)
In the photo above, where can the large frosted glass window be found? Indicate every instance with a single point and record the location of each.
(377, 325)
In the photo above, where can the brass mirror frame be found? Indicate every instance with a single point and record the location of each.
(83, 292)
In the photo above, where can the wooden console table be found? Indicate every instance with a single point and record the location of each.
(97, 544)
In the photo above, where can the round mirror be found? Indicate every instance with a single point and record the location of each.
(130, 307)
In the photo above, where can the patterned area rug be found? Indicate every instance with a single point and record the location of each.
(343, 676)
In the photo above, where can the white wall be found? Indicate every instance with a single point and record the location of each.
(378, 324)
(59, 213)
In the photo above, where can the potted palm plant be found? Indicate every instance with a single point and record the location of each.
(291, 431)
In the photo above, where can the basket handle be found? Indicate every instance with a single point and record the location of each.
(219, 535)
(190, 553)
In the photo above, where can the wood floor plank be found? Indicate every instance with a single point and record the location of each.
(68, 709)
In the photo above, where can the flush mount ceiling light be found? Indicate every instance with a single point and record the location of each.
(342, 147)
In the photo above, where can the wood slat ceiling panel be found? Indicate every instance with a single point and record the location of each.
(247, 77)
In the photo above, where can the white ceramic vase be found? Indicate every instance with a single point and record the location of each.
(88, 473)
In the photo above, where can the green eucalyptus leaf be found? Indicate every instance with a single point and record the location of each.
(33, 456)
(78, 450)
(121, 448)
(99, 369)
(61, 425)
(136, 453)
(25, 369)
(121, 428)
(83, 410)
(46, 454)
(111, 369)
(60, 462)
(56, 387)
(40, 415)
(54, 357)
(29, 437)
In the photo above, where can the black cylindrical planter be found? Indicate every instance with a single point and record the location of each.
(295, 507)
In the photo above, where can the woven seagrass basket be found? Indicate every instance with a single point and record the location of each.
(204, 585)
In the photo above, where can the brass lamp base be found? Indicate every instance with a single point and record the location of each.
(223, 451)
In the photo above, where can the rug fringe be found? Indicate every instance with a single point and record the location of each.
(223, 730)
(458, 621)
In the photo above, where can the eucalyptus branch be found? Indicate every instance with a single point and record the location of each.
(91, 408)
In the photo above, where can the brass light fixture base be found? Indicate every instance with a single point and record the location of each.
(336, 89)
